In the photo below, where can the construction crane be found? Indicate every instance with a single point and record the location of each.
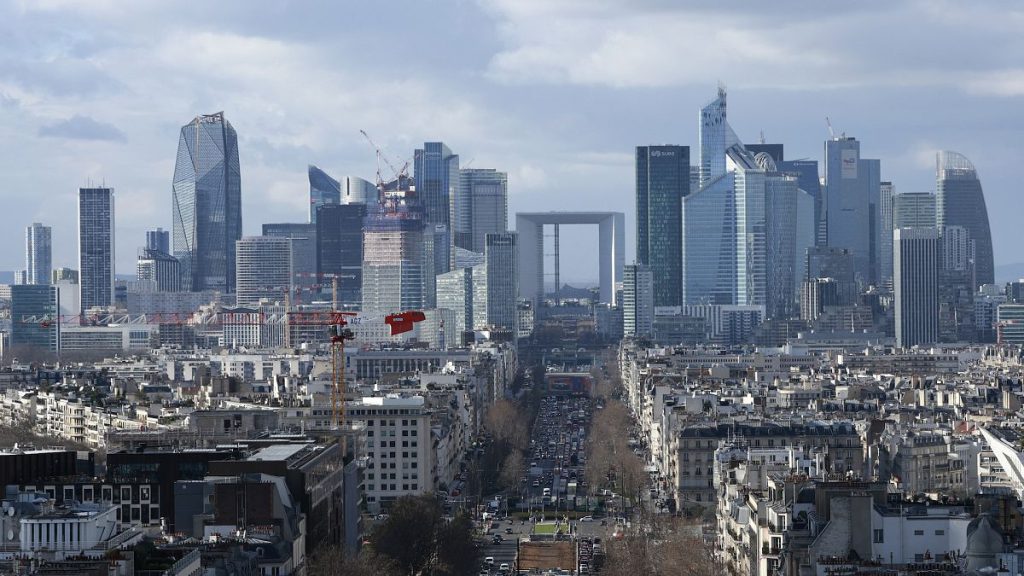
(338, 325)
(399, 174)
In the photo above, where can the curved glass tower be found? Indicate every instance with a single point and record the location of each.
(960, 202)
(322, 190)
(207, 203)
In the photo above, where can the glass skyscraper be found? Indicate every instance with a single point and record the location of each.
(159, 240)
(662, 181)
(96, 246)
(851, 204)
(322, 190)
(436, 174)
(913, 210)
(502, 261)
(479, 208)
(708, 246)
(339, 249)
(36, 302)
(303, 246)
(38, 254)
(961, 202)
(207, 203)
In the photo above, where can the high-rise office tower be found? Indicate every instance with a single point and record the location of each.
(916, 285)
(158, 239)
(502, 261)
(302, 238)
(30, 305)
(709, 222)
(851, 204)
(264, 268)
(393, 256)
(961, 202)
(913, 210)
(437, 255)
(480, 207)
(38, 254)
(160, 267)
(436, 174)
(339, 250)
(637, 301)
(662, 181)
(956, 285)
(781, 231)
(806, 172)
(65, 275)
(835, 263)
(806, 232)
(96, 246)
(322, 190)
(355, 190)
(464, 292)
(886, 192)
(207, 203)
(750, 241)
(715, 137)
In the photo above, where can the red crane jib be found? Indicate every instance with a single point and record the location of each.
(403, 322)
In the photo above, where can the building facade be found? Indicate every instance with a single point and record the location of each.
(913, 210)
(916, 285)
(264, 269)
(637, 301)
(207, 203)
(961, 202)
(160, 267)
(436, 175)
(96, 246)
(502, 261)
(38, 254)
(34, 322)
(662, 181)
(852, 197)
(339, 249)
(480, 207)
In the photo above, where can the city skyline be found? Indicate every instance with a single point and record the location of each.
(82, 90)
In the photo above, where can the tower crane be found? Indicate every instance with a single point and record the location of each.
(399, 174)
(338, 324)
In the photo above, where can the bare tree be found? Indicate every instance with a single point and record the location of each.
(332, 561)
(666, 546)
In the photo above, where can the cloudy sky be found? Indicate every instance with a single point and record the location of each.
(555, 92)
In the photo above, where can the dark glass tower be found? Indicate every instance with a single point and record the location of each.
(339, 249)
(436, 173)
(322, 190)
(207, 203)
(662, 181)
(960, 202)
(96, 246)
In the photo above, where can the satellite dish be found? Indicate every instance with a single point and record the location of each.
(10, 534)
(10, 511)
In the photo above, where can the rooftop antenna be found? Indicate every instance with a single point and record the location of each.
(762, 137)
(831, 132)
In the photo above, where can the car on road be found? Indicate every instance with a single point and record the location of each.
(587, 519)
(504, 567)
(508, 530)
(489, 561)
